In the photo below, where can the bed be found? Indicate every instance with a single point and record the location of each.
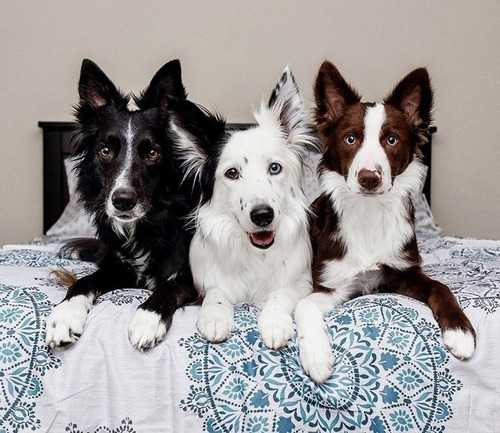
(392, 373)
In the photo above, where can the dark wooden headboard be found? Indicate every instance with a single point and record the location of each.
(57, 147)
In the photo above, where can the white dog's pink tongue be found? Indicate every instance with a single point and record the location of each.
(262, 239)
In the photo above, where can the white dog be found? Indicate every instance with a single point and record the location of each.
(251, 242)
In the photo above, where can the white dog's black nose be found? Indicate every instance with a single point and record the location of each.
(262, 216)
(124, 199)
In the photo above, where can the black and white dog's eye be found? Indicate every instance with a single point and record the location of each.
(105, 152)
(350, 139)
(392, 140)
(275, 168)
(153, 155)
(232, 173)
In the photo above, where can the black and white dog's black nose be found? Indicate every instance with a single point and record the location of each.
(262, 216)
(124, 199)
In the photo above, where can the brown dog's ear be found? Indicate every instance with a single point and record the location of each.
(413, 96)
(332, 93)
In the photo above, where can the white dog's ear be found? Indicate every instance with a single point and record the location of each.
(287, 108)
(195, 133)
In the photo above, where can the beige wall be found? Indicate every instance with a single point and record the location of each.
(232, 53)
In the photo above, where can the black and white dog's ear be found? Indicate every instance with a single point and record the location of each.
(96, 89)
(287, 107)
(195, 133)
(413, 96)
(166, 83)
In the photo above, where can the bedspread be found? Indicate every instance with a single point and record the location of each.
(392, 373)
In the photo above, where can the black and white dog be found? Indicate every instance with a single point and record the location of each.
(251, 242)
(130, 184)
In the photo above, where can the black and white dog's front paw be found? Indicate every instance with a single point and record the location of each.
(66, 321)
(146, 329)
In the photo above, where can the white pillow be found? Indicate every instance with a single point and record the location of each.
(74, 221)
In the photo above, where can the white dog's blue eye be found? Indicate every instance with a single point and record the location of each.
(275, 168)
(350, 139)
(232, 173)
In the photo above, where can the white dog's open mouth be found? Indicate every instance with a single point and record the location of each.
(262, 239)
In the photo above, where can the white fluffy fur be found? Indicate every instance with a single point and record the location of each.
(227, 268)
(193, 157)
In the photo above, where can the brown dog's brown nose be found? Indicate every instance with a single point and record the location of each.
(369, 179)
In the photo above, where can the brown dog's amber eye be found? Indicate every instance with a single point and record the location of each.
(350, 139)
(392, 140)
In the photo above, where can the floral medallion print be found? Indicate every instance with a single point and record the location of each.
(123, 296)
(24, 358)
(126, 426)
(390, 375)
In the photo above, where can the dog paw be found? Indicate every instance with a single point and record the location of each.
(275, 328)
(460, 343)
(146, 329)
(66, 321)
(316, 356)
(216, 322)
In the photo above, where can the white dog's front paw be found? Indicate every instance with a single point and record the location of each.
(216, 322)
(275, 328)
(66, 321)
(316, 356)
(460, 343)
(146, 329)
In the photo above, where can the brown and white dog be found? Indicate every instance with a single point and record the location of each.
(363, 225)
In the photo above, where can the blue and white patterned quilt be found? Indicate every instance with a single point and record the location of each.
(392, 373)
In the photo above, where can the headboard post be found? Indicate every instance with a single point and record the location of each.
(56, 147)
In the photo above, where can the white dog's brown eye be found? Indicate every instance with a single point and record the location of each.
(392, 140)
(232, 173)
(275, 168)
(350, 139)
